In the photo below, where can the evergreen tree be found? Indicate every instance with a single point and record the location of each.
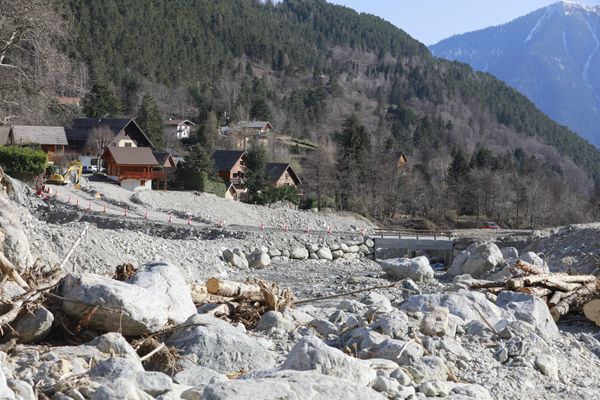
(193, 173)
(459, 167)
(149, 119)
(259, 110)
(256, 176)
(100, 103)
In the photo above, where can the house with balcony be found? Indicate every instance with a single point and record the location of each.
(51, 139)
(133, 167)
(87, 135)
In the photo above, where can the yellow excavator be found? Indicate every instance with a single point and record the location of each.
(65, 177)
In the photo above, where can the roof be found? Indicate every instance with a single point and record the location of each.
(22, 134)
(81, 128)
(254, 124)
(225, 159)
(132, 155)
(4, 131)
(275, 170)
(175, 122)
(162, 157)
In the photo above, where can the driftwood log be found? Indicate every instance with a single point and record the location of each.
(246, 291)
(562, 293)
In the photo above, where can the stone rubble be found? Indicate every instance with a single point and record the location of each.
(427, 336)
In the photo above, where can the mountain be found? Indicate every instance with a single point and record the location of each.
(551, 55)
(353, 85)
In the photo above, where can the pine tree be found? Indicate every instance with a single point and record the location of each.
(207, 135)
(256, 176)
(193, 173)
(459, 167)
(150, 121)
(100, 102)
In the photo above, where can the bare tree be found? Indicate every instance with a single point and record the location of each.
(31, 65)
(98, 141)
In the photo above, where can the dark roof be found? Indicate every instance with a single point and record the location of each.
(162, 157)
(275, 170)
(132, 155)
(22, 134)
(81, 128)
(224, 160)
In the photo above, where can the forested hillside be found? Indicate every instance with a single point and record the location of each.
(356, 85)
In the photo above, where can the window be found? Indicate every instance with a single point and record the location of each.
(127, 144)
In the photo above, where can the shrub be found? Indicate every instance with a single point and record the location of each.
(22, 162)
(274, 194)
(215, 187)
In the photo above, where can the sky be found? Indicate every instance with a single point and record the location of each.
(430, 21)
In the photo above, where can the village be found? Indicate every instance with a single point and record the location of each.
(120, 150)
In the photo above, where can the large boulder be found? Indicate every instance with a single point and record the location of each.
(324, 253)
(14, 243)
(236, 258)
(312, 354)
(290, 385)
(299, 253)
(34, 326)
(467, 305)
(155, 297)
(478, 259)
(259, 258)
(417, 268)
(216, 344)
(530, 309)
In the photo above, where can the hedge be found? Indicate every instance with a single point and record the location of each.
(22, 162)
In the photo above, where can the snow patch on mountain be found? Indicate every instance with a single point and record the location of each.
(586, 66)
(539, 23)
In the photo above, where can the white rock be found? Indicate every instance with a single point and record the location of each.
(259, 259)
(312, 354)
(547, 365)
(435, 323)
(274, 321)
(299, 253)
(401, 352)
(353, 249)
(337, 254)
(156, 296)
(530, 309)
(34, 326)
(325, 254)
(216, 344)
(290, 385)
(478, 259)
(509, 253)
(417, 268)
(467, 305)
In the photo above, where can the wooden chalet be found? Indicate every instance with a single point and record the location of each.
(281, 174)
(133, 167)
(120, 132)
(231, 166)
(178, 128)
(254, 127)
(52, 139)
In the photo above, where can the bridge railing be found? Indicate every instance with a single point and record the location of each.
(400, 233)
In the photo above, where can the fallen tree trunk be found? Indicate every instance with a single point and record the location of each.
(246, 291)
(10, 271)
(555, 281)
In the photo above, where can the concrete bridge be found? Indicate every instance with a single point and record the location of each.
(409, 242)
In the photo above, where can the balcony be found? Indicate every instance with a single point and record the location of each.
(146, 176)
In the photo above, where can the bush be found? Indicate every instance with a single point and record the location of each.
(215, 187)
(22, 162)
(274, 194)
